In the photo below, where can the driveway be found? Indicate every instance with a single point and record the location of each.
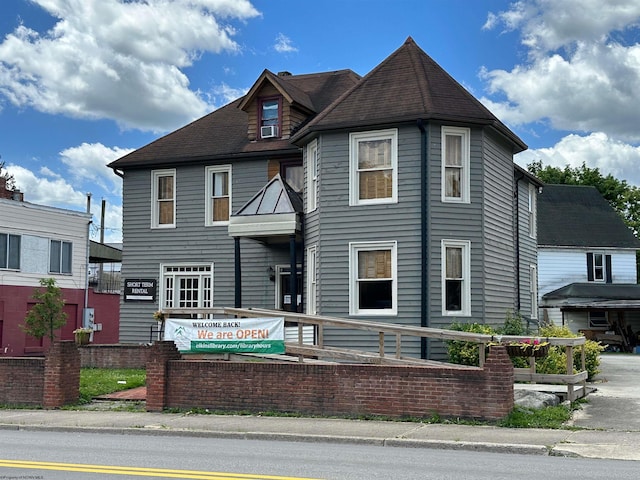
(615, 405)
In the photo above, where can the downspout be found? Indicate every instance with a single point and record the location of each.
(424, 238)
(237, 274)
(516, 233)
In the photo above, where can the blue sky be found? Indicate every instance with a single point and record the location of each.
(83, 82)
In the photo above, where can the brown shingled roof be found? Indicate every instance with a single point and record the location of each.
(223, 133)
(406, 86)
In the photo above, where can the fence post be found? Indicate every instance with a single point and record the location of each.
(61, 374)
(160, 354)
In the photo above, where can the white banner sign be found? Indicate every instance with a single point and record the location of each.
(242, 335)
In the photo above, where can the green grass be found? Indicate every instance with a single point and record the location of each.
(549, 417)
(100, 381)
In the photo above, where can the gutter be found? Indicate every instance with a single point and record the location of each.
(424, 237)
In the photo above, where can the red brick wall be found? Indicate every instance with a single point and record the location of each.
(338, 389)
(50, 382)
(114, 356)
(21, 381)
(61, 375)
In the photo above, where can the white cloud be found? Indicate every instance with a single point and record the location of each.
(223, 94)
(283, 44)
(86, 172)
(89, 162)
(550, 24)
(582, 71)
(52, 191)
(596, 150)
(118, 60)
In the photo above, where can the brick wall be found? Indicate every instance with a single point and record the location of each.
(61, 375)
(336, 389)
(21, 381)
(50, 382)
(114, 356)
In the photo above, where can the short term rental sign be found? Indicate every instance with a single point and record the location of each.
(243, 335)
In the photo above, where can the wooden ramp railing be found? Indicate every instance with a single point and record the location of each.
(320, 350)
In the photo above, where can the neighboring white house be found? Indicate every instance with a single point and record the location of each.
(38, 242)
(587, 274)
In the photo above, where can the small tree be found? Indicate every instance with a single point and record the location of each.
(47, 314)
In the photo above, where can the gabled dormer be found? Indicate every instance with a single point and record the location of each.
(275, 107)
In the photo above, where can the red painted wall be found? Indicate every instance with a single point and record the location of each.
(15, 302)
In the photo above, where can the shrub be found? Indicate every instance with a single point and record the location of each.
(556, 361)
(513, 324)
(466, 353)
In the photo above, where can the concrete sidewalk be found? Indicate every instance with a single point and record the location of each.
(585, 443)
(605, 430)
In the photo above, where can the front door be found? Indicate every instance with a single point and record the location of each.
(283, 289)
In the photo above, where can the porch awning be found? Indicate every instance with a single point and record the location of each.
(594, 296)
(274, 211)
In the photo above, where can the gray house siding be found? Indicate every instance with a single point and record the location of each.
(454, 221)
(498, 231)
(528, 251)
(341, 224)
(191, 242)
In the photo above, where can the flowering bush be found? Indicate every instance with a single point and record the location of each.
(533, 344)
(82, 330)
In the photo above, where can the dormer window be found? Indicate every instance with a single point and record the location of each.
(270, 118)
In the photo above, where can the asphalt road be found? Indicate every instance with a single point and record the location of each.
(93, 456)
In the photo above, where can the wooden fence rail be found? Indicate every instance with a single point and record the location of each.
(318, 349)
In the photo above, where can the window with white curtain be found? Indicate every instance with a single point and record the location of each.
(456, 282)
(455, 164)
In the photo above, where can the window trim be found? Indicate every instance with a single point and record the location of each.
(155, 201)
(9, 266)
(312, 176)
(465, 311)
(312, 280)
(465, 133)
(261, 102)
(532, 206)
(164, 274)
(354, 183)
(533, 290)
(61, 271)
(354, 249)
(208, 208)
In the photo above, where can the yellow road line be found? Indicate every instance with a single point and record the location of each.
(140, 471)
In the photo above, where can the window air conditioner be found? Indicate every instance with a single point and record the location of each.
(269, 131)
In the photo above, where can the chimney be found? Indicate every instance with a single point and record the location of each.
(16, 195)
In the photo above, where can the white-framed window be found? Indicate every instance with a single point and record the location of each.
(456, 277)
(533, 290)
(9, 251)
(455, 164)
(218, 206)
(532, 210)
(373, 278)
(312, 176)
(163, 198)
(312, 279)
(373, 160)
(598, 267)
(60, 256)
(187, 286)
